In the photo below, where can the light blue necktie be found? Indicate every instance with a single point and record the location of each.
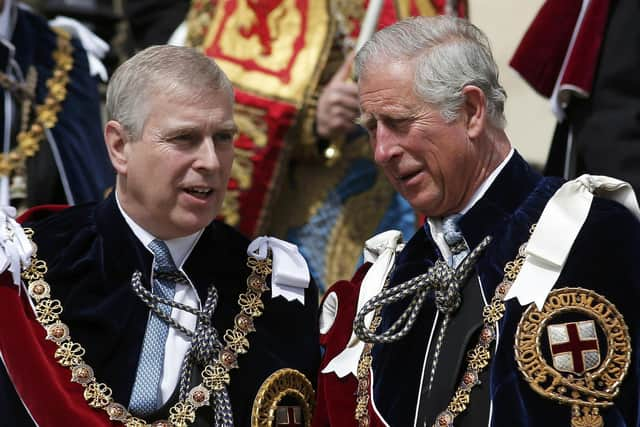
(454, 238)
(447, 306)
(145, 396)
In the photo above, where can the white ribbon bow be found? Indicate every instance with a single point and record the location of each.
(290, 273)
(381, 251)
(15, 247)
(558, 226)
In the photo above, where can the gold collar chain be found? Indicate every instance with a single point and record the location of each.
(477, 359)
(46, 114)
(97, 395)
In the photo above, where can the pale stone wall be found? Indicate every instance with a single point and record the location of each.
(530, 123)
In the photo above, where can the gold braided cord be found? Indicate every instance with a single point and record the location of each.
(97, 395)
(46, 114)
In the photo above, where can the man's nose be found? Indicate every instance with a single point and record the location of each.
(385, 144)
(207, 156)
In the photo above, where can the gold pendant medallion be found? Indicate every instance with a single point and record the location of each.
(576, 351)
(285, 398)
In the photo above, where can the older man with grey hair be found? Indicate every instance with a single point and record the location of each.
(143, 309)
(482, 318)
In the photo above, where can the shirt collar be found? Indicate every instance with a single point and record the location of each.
(180, 247)
(435, 224)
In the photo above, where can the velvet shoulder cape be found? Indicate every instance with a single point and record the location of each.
(91, 254)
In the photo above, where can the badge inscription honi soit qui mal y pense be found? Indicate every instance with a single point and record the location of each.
(576, 350)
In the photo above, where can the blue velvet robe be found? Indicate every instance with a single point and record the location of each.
(91, 253)
(78, 132)
(604, 258)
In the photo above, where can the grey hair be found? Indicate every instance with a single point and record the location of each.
(172, 70)
(450, 53)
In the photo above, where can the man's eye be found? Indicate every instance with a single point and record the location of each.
(182, 137)
(369, 124)
(223, 137)
(397, 124)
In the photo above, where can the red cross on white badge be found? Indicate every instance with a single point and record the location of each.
(288, 416)
(574, 346)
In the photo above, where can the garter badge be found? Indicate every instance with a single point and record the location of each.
(576, 350)
(574, 346)
(286, 398)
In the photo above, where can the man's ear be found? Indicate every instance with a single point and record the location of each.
(475, 108)
(116, 138)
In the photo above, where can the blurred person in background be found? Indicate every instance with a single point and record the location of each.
(53, 148)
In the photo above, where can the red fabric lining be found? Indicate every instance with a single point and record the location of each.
(44, 386)
(336, 397)
(543, 49)
(541, 52)
(266, 160)
(38, 212)
(583, 59)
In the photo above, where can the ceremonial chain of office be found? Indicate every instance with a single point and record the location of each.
(477, 359)
(98, 395)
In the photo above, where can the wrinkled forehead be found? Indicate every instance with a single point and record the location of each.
(210, 106)
(204, 97)
(389, 71)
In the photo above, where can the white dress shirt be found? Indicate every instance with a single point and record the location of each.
(177, 343)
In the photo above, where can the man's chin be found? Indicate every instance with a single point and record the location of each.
(427, 207)
(188, 223)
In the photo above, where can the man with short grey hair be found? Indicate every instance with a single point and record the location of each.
(143, 309)
(483, 317)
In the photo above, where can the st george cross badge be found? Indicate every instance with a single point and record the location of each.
(576, 350)
(289, 416)
(574, 346)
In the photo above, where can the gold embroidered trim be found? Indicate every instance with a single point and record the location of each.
(198, 20)
(282, 383)
(46, 114)
(477, 358)
(347, 13)
(364, 365)
(98, 395)
(589, 391)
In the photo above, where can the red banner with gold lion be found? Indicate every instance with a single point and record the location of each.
(274, 52)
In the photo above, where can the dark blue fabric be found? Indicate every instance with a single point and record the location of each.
(603, 258)
(78, 133)
(92, 253)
